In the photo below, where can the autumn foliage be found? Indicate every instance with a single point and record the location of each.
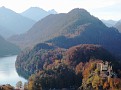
(75, 68)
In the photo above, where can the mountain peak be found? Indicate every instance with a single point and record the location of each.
(36, 13)
(6, 10)
(3, 7)
(36, 8)
(52, 11)
(79, 10)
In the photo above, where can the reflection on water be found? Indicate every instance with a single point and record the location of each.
(8, 74)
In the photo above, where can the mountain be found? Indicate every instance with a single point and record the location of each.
(118, 25)
(52, 11)
(13, 22)
(109, 23)
(36, 13)
(5, 32)
(7, 48)
(69, 29)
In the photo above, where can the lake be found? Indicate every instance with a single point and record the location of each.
(8, 74)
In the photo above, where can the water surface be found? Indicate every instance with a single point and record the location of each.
(8, 74)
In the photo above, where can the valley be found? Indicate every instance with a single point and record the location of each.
(58, 51)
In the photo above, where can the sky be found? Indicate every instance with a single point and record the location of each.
(103, 9)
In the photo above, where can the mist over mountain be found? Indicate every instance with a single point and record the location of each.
(69, 29)
(118, 25)
(5, 32)
(36, 13)
(7, 48)
(13, 23)
(109, 23)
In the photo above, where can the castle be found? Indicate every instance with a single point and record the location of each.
(105, 69)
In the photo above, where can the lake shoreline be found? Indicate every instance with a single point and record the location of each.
(8, 73)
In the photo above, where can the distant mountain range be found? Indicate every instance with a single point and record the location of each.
(109, 23)
(7, 48)
(118, 25)
(70, 29)
(112, 23)
(36, 13)
(13, 23)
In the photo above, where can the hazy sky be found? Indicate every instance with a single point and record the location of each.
(104, 9)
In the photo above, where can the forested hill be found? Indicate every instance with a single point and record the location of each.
(43, 54)
(74, 68)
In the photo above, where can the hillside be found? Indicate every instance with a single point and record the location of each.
(72, 68)
(5, 32)
(43, 54)
(85, 52)
(70, 29)
(36, 13)
(118, 25)
(13, 22)
(7, 48)
(35, 59)
(49, 27)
